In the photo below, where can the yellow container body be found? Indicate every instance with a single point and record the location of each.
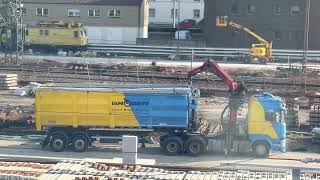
(82, 109)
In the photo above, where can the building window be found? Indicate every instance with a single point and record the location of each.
(291, 36)
(114, 13)
(94, 13)
(44, 32)
(234, 34)
(276, 35)
(175, 14)
(295, 10)
(73, 13)
(76, 34)
(196, 13)
(251, 9)
(196, 0)
(42, 12)
(235, 9)
(152, 12)
(276, 9)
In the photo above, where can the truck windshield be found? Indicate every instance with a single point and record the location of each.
(275, 116)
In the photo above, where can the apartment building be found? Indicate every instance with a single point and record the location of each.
(162, 11)
(107, 21)
(280, 21)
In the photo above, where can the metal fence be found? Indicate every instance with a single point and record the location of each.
(165, 51)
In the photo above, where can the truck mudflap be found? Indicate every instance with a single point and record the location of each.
(279, 147)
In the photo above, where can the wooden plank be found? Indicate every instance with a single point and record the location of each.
(8, 75)
(8, 78)
(8, 85)
(8, 82)
(8, 88)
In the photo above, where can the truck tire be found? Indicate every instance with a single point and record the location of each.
(195, 146)
(172, 145)
(79, 143)
(58, 142)
(261, 149)
(263, 60)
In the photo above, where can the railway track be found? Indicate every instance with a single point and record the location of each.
(101, 74)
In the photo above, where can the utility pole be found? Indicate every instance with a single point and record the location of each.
(179, 6)
(174, 14)
(12, 30)
(306, 35)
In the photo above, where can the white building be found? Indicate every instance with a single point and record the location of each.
(161, 11)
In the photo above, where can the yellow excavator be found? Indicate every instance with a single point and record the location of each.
(261, 52)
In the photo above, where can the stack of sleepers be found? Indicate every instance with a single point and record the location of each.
(8, 81)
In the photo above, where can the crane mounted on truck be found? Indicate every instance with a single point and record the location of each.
(261, 52)
(237, 94)
(76, 116)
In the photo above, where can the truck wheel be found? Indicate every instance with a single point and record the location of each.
(263, 60)
(79, 143)
(58, 142)
(172, 145)
(261, 149)
(195, 146)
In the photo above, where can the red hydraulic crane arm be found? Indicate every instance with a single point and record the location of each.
(217, 70)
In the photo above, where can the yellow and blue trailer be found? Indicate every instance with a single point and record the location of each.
(75, 116)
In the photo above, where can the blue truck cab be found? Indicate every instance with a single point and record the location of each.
(266, 124)
(261, 131)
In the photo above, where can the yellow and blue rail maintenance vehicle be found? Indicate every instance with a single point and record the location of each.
(75, 116)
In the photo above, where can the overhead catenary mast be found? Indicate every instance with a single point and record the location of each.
(12, 30)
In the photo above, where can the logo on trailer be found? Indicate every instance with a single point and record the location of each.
(128, 103)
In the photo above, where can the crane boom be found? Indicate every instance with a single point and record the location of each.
(217, 70)
(261, 52)
(238, 26)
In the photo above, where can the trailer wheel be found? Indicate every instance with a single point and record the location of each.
(58, 142)
(195, 146)
(261, 149)
(172, 145)
(79, 143)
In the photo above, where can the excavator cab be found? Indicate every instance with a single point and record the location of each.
(222, 21)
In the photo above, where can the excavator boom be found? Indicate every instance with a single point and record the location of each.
(213, 67)
(261, 51)
(237, 91)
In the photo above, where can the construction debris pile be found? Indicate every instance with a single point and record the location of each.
(16, 115)
(8, 81)
(28, 90)
(82, 170)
